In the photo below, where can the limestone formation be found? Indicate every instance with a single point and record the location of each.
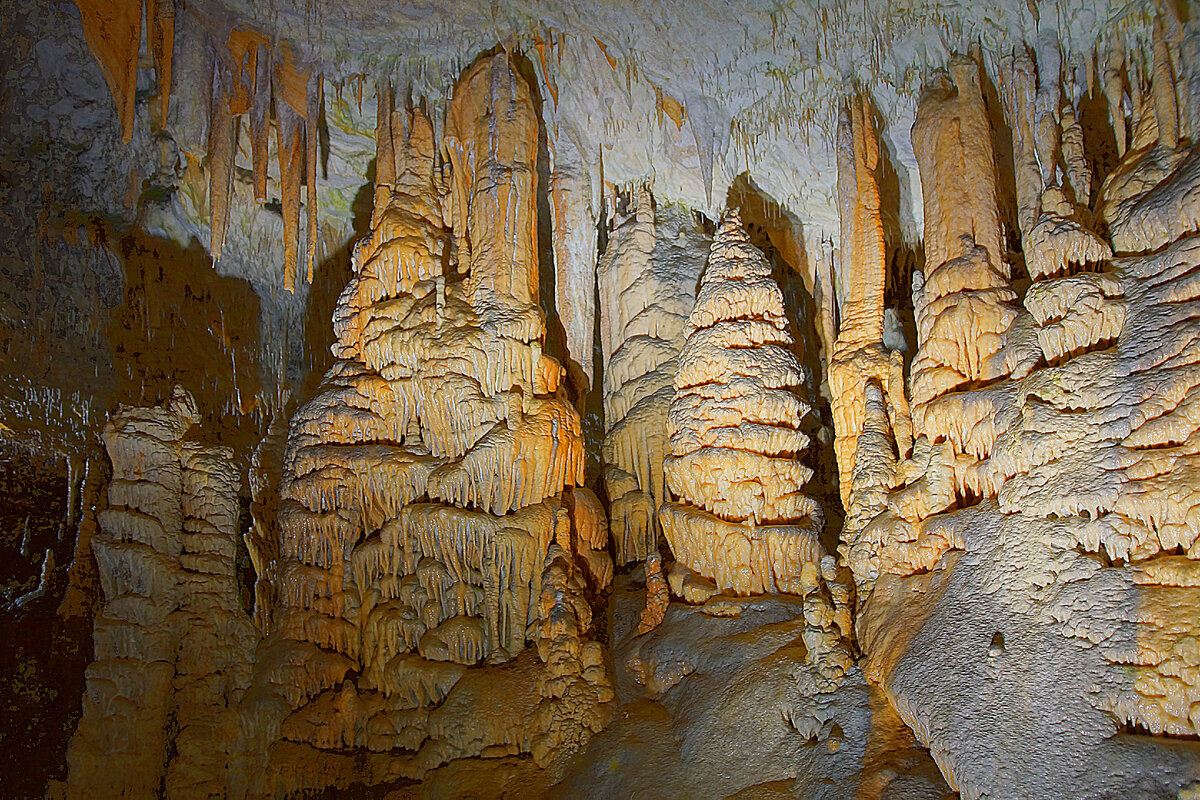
(963, 301)
(574, 205)
(423, 523)
(859, 358)
(137, 550)
(172, 645)
(741, 400)
(734, 430)
(658, 595)
(1037, 491)
(647, 276)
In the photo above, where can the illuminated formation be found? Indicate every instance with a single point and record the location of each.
(700, 400)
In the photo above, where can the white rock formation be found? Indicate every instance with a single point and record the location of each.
(647, 276)
(173, 646)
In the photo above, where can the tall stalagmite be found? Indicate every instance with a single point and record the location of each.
(743, 523)
(647, 276)
(734, 431)
(173, 647)
(859, 356)
(963, 300)
(423, 517)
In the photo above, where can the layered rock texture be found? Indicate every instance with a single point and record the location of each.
(557, 399)
(743, 523)
(734, 432)
(1044, 518)
(649, 271)
(173, 649)
(426, 518)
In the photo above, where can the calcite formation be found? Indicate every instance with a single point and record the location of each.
(734, 423)
(648, 274)
(963, 302)
(859, 357)
(172, 647)
(523, 399)
(423, 525)
(1048, 487)
(742, 519)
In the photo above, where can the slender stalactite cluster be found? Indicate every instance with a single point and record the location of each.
(251, 77)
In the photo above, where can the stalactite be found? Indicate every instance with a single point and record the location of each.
(315, 101)
(260, 112)
(113, 30)
(160, 18)
(858, 356)
(243, 49)
(222, 146)
(291, 154)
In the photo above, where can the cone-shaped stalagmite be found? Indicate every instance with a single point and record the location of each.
(743, 518)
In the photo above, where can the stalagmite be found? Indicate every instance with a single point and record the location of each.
(137, 550)
(589, 525)
(494, 205)
(574, 213)
(647, 277)
(658, 595)
(173, 646)
(964, 306)
(421, 502)
(859, 356)
(262, 539)
(734, 431)
(216, 640)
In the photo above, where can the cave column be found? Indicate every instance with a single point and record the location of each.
(120, 747)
